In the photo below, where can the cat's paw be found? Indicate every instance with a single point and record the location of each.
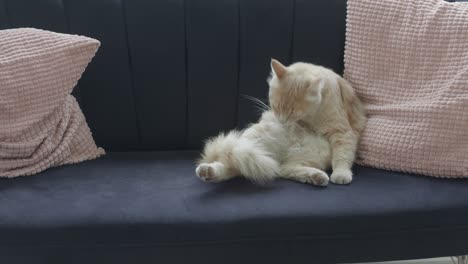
(212, 172)
(341, 177)
(319, 178)
(205, 172)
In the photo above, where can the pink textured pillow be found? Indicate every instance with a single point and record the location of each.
(408, 61)
(41, 124)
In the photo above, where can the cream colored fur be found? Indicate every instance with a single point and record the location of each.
(314, 124)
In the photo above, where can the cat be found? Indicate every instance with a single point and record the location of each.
(313, 123)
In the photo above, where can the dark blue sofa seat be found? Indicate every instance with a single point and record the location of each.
(142, 207)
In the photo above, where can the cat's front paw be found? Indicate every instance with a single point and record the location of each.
(205, 172)
(319, 178)
(341, 177)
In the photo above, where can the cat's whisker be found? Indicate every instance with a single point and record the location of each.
(259, 103)
(260, 107)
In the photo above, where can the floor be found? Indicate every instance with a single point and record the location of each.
(446, 260)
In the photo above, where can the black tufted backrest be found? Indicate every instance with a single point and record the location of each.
(171, 73)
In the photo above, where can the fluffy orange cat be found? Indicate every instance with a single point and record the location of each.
(313, 123)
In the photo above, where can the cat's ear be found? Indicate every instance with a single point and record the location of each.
(278, 68)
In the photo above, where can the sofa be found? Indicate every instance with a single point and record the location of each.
(168, 75)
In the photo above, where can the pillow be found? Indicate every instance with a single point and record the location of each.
(41, 124)
(408, 61)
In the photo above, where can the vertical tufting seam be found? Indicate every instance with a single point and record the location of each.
(8, 16)
(67, 22)
(236, 106)
(185, 11)
(132, 79)
(293, 26)
(65, 13)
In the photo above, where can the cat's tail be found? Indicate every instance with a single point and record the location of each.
(354, 108)
(246, 157)
(254, 162)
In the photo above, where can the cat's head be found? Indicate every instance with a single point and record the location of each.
(295, 91)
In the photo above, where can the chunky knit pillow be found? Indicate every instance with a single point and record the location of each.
(408, 61)
(41, 124)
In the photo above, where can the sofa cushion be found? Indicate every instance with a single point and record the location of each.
(155, 56)
(154, 203)
(41, 124)
(407, 60)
